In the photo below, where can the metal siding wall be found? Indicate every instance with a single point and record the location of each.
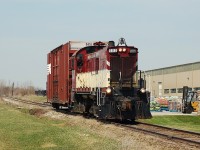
(155, 80)
(170, 81)
(55, 74)
(196, 78)
(184, 79)
(57, 82)
(49, 80)
(66, 75)
(175, 77)
(63, 74)
(196, 66)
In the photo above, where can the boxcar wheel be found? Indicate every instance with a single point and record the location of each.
(56, 106)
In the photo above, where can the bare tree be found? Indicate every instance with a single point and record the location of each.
(4, 89)
(10, 90)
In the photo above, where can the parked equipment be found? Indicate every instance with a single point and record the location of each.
(97, 78)
(190, 101)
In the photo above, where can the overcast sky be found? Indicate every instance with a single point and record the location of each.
(166, 32)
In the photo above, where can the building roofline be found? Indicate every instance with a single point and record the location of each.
(172, 66)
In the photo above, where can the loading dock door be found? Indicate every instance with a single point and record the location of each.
(160, 89)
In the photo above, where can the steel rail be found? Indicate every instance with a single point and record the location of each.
(137, 128)
(29, 102)
(191, 142)
(169, 128)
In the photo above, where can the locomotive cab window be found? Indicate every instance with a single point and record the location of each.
(71, 63)
(90, 49)
(79, 60)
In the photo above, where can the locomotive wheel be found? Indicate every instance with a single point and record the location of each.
(56, 106)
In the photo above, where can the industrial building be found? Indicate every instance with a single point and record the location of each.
(169, 81)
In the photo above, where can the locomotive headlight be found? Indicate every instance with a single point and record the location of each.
(124, 50)
(108, 90)
(120, 49)
(142, 90)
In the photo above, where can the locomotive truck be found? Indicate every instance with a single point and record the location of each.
(97, 78)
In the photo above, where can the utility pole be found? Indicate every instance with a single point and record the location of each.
(13, 88)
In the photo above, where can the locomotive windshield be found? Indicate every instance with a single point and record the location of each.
(123, 67)
(122, 71)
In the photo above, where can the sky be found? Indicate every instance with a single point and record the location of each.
(166, 32)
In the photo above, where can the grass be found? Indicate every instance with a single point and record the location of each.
(33, 98)
(20, 130)
(191, 123)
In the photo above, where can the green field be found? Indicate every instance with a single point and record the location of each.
(33, 98)
(20, 130)
(191, 123)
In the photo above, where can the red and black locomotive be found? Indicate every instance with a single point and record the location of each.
(97, 78)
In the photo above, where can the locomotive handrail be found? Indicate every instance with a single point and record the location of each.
(98, 96)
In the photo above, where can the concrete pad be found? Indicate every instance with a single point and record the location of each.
(164, 113)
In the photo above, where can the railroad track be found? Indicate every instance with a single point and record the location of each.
(29, 102)
(188, 137)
